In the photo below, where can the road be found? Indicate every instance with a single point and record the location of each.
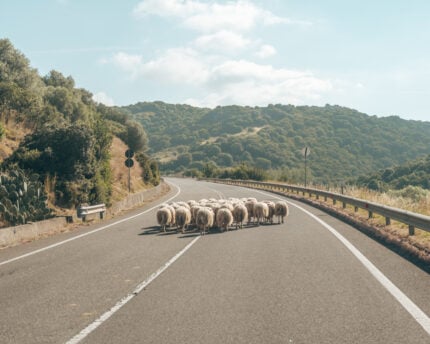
(312, 279)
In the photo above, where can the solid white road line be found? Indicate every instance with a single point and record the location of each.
(91, 327)
(88, 233)
(407, 303)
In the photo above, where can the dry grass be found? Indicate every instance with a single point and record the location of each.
(120, 172)
(15, 133)
(245, 132)
(421, 239)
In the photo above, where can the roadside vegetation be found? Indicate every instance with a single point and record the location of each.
(51, 129)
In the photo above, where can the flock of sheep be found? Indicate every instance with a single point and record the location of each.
(219, 213)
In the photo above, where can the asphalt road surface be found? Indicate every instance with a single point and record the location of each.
(312, 279)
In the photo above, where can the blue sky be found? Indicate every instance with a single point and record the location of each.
(373, 56)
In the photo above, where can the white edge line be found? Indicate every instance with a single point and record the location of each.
(88, 233)
(416, 312)
(94, 325)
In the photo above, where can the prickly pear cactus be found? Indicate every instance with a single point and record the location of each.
(22, 199)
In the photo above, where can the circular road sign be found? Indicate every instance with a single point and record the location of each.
(129, 163)
(129, 153)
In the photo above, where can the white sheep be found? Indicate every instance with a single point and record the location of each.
(204, 219)
(183, 204)
(271, 206)
(194, 210)
(164, 217)
(281, 210)
(224, 218)
(183, 218)
(240, 215)
(172, 212)
(261, 211)
(250, 207)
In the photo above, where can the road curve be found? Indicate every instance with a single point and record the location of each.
(122, 281)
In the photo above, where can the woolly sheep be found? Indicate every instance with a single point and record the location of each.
(204, 219)
(281, 210)
(183, 218)
(250, 207)
(240, 215)
(194, 210)
(183, 204)
(164, 217)
(224, 219)
(172, 212)
(261, 211)
(271, 206)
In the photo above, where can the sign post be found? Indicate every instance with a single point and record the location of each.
(306, 151)
(129, 163)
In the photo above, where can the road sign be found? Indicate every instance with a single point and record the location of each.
(129, 153)
(306, 151)
(129, 163)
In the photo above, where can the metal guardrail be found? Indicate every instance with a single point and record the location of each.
(84, 211)
(413, 220)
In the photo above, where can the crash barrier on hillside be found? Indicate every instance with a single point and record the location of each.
(84, 211)
(413, 220)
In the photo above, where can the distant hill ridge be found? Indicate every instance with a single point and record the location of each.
(344, 143)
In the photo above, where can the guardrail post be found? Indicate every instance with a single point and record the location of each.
(355, 208)
(325, 198)
(387, 221)
(370, 214)
(411, 230)
(343, 205)
(317, 196)
(334, 201)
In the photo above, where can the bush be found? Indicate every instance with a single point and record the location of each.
(2, 131)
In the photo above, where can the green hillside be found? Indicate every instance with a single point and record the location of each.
(344, 143)
(413, 173)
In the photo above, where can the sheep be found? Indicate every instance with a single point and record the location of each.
(183, 204)
(250, 207)
(261, 211)
(204, 219)
(240, 215)
(228, 205)
(271, 213)
(172, 212)
(281, 210)
(183, 218)
(164, 217)
(224, 219)
(192, 203)
(194, 210)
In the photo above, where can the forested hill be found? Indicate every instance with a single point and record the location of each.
(412, 173)
(344, 142)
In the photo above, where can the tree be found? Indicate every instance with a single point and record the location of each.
(135, 136)
(57, 79)
(225, 159)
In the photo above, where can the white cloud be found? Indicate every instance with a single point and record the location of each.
(247, 83)
(265, 51)
(239, 15)
(101, 97)
(221, 82)
(180, 66)
(224, 41)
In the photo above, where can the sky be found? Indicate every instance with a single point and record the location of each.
(372, 56)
